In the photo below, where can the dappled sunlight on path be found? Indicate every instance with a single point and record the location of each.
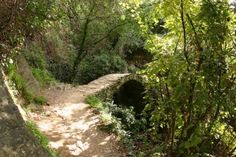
(72, 127)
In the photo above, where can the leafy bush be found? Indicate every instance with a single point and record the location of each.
(34, 54)
(194, 82)
(60, 53)
(42, 139)
(42, 76)
(114, 118)
(119, 120)
(36, 58)
(98, 65)
(61, 71)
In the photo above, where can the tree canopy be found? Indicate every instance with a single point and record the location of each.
(19, 20)
(190, 102)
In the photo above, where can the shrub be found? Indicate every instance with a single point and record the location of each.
(121, 121)
(117, 118)
(42, 76)
(34, 54)
(95, 102)
(61, 71)
(98, 65)
(36, 58)
(40, 100)
(60, 53)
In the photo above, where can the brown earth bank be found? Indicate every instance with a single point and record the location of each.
(15, 139)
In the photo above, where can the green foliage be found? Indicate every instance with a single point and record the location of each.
(60, 70)
(120, 120)
(34, 54)
(95, 103)
(59, 44)
(41, 138)
(97, 25)
(27, 18)
(61, 48)
(40, 100)
(98, 65)
(61, 53)
(194, 73)
(117, 119)
(43, 76)
(19, 83)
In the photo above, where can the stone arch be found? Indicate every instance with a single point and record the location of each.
(131, 93)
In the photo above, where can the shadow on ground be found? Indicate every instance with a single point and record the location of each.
(76, 132)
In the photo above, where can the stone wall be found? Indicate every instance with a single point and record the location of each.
(15, 139)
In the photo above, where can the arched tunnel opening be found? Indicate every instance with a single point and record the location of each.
(129, 94)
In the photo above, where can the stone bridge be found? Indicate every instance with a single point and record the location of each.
(68, 122)
(72, 126)
(110, 86)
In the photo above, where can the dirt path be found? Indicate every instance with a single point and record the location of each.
(72, 127)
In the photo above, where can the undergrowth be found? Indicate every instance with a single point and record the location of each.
(100, 64)
(21, 86)
(40, 100)
(43, 76)
(41, 138)
(34, 53)
(123, 122)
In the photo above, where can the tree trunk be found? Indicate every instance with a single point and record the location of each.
(81, 50)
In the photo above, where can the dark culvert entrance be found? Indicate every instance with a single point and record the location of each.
(131, 93)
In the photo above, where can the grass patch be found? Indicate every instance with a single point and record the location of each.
(21, 85)
(40, 100)
(95, 102)
(43, 76)
(42, 139)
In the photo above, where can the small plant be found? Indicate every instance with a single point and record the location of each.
(121, 121)
(95, 103)
(40, 100)
(43, 76)
(42, 139)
